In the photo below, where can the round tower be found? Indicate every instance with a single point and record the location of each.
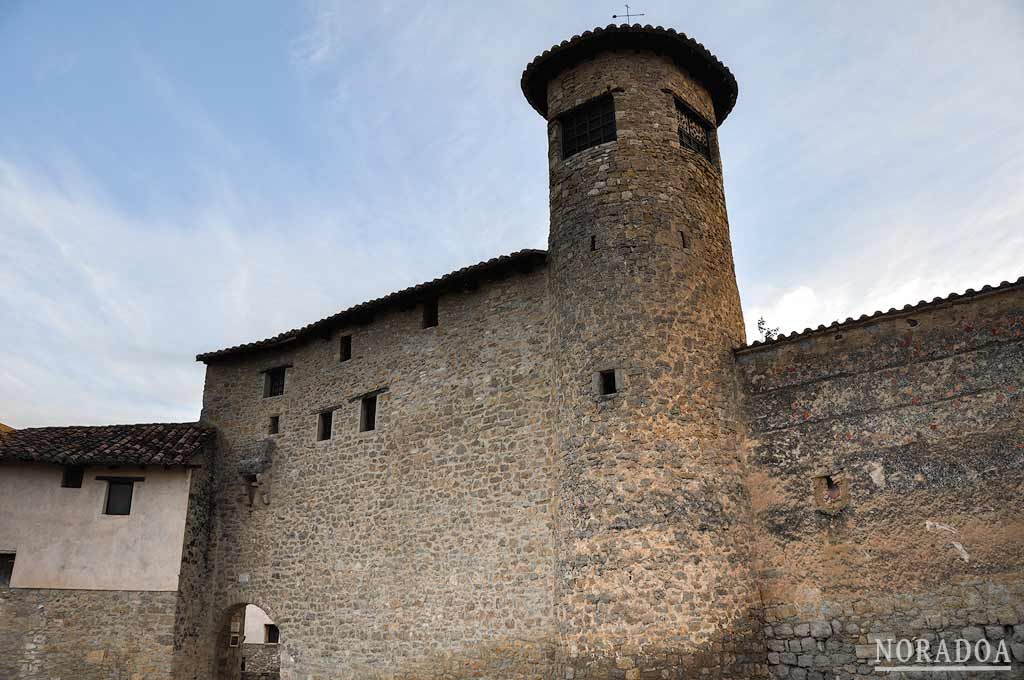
(654, 575)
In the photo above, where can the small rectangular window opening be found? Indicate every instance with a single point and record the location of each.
(6, 569)
(273, 382)
(72, 478)
(831, 488)
(684, 239)
(271, 634)
(274, 426)
(119, 497)
(430, 313)
(368, 413)
(324, 425)
(608, 385)
(593, 242)
(346, 348)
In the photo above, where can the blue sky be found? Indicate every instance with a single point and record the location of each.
(180, 177)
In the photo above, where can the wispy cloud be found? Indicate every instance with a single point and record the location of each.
(175, 184)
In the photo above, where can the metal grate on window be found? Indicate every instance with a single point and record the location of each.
(694, 132)
(273, 382)
(588, 125)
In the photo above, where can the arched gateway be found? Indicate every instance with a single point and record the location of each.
(248, 645)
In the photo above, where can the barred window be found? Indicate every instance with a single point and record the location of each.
(588, 125)
(273, 382)
(694, 132)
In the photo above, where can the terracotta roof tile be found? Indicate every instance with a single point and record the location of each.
(684, 50)
(880, 315)
(523, 260)
(148, 444)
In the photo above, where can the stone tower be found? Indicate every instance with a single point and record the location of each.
(654, 576)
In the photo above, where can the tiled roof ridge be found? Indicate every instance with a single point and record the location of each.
(880, 315)
(528, 255)
(697, 58)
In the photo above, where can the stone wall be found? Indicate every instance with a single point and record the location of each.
(194, 621)
(652, 510)
(887, 465)
(424, 545)
(86, 634)
(262, 662)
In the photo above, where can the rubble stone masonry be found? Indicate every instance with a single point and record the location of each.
(918, 419)
(423, 548)
(653, 562)
(86, 634)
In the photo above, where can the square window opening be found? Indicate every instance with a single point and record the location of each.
(274, 426)
(273, 382)
(368, 414)
(608, 384)
(271, 634)
(324, 425)
(430, 313)
(119, 497)
(72, 477)
(588, 125)
(6, 569)
(345, 351)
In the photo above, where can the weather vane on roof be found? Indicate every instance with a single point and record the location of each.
(628, 15)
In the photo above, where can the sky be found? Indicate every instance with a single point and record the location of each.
(181, 177)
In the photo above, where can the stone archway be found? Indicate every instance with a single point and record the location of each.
(248, 645)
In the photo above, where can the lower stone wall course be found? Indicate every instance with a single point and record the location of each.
(86, 635)
(838, 639)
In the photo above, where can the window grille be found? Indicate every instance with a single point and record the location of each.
(588, 125)
(694, 131)
(273, 382)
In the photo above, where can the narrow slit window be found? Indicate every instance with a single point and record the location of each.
(593, 242)
(72, 477)
(430, 313)
(345, 352)
(273, 382)
(368, 413)
(274, 426)
(608, 385)
(271, 634)
(119, 497)
(6, 569)
(324, 425)
(684, 239)
(588, 125)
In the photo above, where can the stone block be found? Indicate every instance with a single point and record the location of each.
(821, 629)
(972, 633)
(995, 632)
